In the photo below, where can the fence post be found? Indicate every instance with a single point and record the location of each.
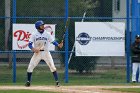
(128, 42)
(14, 11)
(66, 43)
(14, 66)
(14, 52)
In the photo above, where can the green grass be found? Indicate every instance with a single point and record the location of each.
(132, 90)
(43, 76)
(24, 91)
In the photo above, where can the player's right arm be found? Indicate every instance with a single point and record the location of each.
(32, 48)
(30, 45)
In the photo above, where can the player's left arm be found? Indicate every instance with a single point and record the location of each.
(60, 45)
(51, 39)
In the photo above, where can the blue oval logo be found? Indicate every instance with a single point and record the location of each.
(83, 38)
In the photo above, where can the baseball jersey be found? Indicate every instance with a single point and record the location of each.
(41, 40)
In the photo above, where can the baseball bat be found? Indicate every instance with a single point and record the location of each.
(66, 26)
(84, 15)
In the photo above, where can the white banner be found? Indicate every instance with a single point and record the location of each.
(100, 38)
(22, 32)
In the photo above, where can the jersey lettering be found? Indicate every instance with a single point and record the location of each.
(41, 38)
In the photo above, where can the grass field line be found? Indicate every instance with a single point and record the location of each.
(68, 89)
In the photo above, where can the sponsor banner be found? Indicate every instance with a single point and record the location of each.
(22, 33)
(100, 38)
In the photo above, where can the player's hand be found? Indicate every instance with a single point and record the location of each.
(35, 50)
(61, 44)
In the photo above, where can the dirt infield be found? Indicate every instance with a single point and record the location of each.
(69, 89)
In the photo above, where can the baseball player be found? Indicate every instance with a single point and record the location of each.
(135, 58)
(39, 43)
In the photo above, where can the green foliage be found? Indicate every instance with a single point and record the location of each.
(40, 8)
(106, 8)
(2, 38)
(2, 8)
(53, 8)
(82, 64)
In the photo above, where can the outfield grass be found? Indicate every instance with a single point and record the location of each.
(132, 90)
(25, 91)
(43, 76)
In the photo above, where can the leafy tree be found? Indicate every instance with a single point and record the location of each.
(93, 8)
(82, 64)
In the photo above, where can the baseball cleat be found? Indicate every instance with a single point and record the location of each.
(57, 84)
(134, 81)
(27, 84)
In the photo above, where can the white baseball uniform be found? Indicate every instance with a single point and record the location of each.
(41, 41)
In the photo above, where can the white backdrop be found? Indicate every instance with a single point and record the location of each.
(100, 38)
(22, 32)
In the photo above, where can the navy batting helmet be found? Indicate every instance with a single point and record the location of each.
(38, 24)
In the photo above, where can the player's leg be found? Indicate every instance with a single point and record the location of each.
(33, 63)
(139, 72)
(48, 59)
(134, 71)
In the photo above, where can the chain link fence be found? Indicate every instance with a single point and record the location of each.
(85, 69)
